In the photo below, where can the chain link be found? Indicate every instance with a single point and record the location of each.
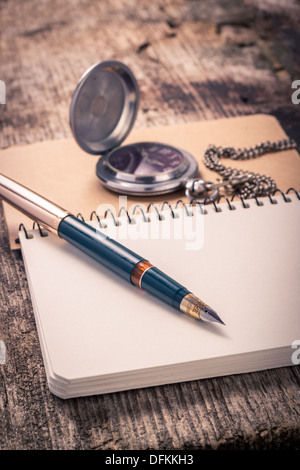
(255, 184)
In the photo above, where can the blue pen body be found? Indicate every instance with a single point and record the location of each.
(95, 244)
(164, 287)
(119, 259)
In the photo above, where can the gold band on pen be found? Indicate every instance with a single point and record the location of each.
(138, 272)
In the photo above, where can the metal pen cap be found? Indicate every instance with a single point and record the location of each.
(33, 205)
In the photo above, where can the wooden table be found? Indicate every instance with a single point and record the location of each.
(193, 60)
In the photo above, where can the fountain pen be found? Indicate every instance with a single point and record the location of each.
(116, 257)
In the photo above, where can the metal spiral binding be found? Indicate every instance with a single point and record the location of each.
(245, 206)
(126, 212)
(91, 218)
(192, 203)
(296, 192)
(169, 206)
(156, 210)
(180, 201)
(42, 234)
(109, 211)
(209, 199)
(282, 194)
(138, 206)
(231, 208)
(29, 236)
(22, 227)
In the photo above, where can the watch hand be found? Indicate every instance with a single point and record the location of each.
(157, 162)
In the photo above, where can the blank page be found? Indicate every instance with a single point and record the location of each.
(93, 324)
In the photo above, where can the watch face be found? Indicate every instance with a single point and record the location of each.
(145, 159)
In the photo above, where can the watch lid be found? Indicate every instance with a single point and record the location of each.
(104, 106)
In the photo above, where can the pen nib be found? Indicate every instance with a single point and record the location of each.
(208, 314)
(194, 307)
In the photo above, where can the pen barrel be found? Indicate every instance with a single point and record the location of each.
(120, 260)
(163, 287)
(94, 243)
(31, 204)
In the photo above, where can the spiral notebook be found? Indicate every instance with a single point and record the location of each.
(98, 334)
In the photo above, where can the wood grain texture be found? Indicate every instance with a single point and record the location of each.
(193, 60)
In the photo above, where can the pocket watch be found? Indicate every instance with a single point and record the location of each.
(103, 109)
